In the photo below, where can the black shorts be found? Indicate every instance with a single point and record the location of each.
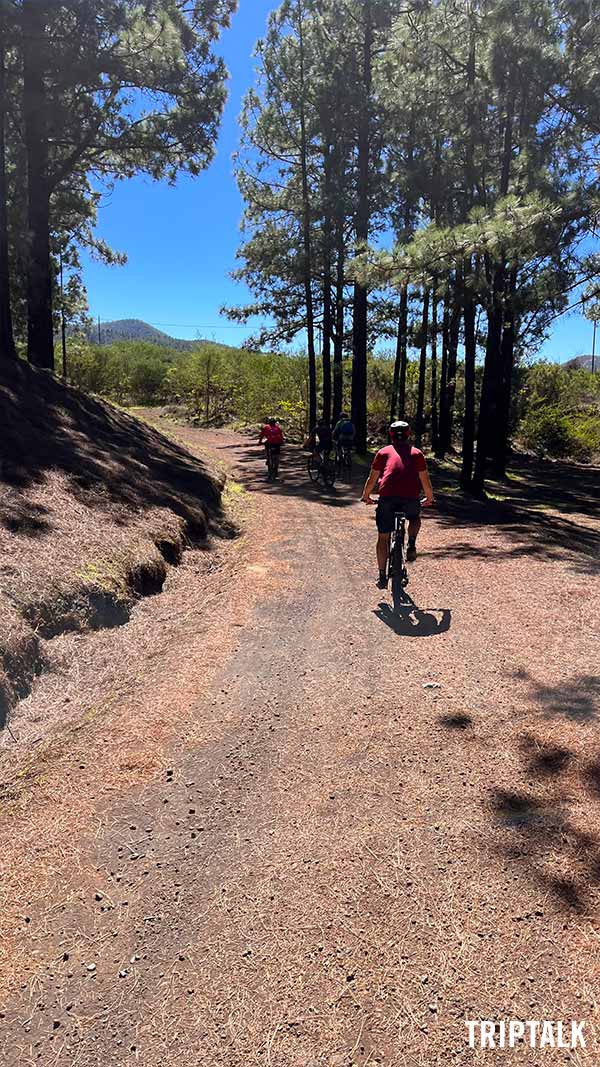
(389, 505)
(275, 449)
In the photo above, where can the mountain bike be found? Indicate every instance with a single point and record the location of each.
(343, 459)
(397, 569)
(273, 454)
(321, 468)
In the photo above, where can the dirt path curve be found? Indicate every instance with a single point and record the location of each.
(279, 843)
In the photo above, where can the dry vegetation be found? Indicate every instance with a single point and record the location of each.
(94, 507)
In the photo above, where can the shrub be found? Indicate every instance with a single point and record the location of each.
(550, 431)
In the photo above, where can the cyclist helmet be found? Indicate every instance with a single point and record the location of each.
(400, 431)
(345, 415)
(272, 422)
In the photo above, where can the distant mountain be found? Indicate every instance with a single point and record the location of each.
(136, 330)
(582, 363)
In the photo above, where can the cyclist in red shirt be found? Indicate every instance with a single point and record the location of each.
(272, 435)
(401, 470)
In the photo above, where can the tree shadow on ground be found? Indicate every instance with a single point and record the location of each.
(113, 462)
(456, 722)
(576, 699)
(545, 836)
(407, 620)
(523, 513)
(293, 480)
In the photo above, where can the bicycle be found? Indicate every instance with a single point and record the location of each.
(273, 456)
(343, 459)
(397, 569)
(321, 468)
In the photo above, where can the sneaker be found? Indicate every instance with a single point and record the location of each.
(382, 582)
(411, 552)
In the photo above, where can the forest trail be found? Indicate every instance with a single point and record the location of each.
(293, 830)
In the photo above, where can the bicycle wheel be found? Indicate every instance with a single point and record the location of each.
(312, 466)
(397, 568)
(328, 473)
(275, 462)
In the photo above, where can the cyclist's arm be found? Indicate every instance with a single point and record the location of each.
(427, 486)
(370, 484)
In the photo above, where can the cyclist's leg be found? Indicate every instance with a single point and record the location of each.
(413, 514)
(384, 516)
(383, 551)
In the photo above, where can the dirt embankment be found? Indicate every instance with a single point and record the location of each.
(94, 507)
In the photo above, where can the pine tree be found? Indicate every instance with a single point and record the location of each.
(112, 86)
(7, 344)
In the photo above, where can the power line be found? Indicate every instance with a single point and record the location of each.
(196, 326)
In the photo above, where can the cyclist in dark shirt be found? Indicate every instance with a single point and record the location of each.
(322, 436)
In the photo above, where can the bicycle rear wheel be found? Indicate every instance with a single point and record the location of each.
(312, 465)
(397, 567)
(328, 473)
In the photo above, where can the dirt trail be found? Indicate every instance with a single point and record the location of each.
(277, 843)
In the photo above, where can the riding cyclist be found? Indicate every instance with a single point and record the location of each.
(401, 470)
(272, 435)
(322, 438)
(344, 432)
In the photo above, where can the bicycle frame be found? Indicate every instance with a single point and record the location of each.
(397, 571)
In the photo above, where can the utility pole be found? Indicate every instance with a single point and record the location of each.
(99, 332)
(63, 324)
(594, 348)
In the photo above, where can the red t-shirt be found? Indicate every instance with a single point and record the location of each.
(273, 435)
(399, 467)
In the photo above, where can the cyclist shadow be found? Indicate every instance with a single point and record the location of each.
(407, 620)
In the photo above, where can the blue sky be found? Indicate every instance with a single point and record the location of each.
(181, 241)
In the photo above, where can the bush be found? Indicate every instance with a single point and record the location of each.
(550, 431)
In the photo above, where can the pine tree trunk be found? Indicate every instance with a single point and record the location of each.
(40, 331)
(338, 344)
(453, 339)
(499, 445)
(434, 370)
(307, 236)
(399, 381)
(326, 354)
(444, 435)
(7, 343)
(360, 309)
(489, 424)
(468, 302)
(327, 302)
(468, 445)
(420, 417)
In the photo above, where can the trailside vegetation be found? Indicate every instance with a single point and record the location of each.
(423, 173)
(554, 412)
